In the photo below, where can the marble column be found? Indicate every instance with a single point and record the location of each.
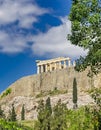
(59, 64)
(69, 62)
(74, 63)
(46, 68)
(50, 67)
(41, 68)
(55, 65)
(65, 64)
(38, 69)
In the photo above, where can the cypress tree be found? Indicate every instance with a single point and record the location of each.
(48, 110)
(23, 113)
(48, 106)
(13, 114)
(1, 113)
(75, 93)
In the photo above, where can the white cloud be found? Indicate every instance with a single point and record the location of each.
(55, 42)
(22, 10)
(11, 43)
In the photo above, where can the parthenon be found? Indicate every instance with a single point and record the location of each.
(53, 64)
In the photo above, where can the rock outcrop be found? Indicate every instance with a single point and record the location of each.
(24, 90)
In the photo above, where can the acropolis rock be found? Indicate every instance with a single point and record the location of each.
(51, 75)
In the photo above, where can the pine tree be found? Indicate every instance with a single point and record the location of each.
(13, 114)
(23, 113)
(75, 93)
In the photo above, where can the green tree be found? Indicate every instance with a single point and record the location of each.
(96, 95)
(59, 120)
(1, 113)
(75, 93)
(85, 17)
(40, 124)
(48, 110)
(23, 113)
(13, 113)
(44, 115)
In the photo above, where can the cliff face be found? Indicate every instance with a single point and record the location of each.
(60, 79)
(24, 90)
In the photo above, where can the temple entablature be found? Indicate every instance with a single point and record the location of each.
(53, 64)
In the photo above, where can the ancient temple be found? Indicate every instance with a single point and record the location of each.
(53, 64)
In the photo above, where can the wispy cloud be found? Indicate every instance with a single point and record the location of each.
(11, 43)
(23, 11)
(54, 43)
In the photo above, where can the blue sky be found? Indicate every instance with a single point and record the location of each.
(32, 30)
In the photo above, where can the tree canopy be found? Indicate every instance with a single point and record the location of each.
(85, 17)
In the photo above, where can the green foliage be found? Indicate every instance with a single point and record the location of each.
(51, 93)
(86, 32)
(51, 119)
(7, 92)
(23, 113)
(4, 125)
(12, 114)
(44, 115)
(60, 118)
(1, 113)
(75, 93)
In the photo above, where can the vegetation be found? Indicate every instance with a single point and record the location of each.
(28, 123)
(50, 119)
(51, 93)
(60, 118)
(86, 32)
(44, 115)
(23, 113)
(75, 93)
(1, 113)
(7, 92)
(4, 125)
(12, 114)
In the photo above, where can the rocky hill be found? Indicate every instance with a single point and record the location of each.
(28, 90)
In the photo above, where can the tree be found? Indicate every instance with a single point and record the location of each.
(1, 113)
(13, 114)
(85, 16)
(48, 110)
(59, 120)
(44, 115)
(23, 113)
(75, 93)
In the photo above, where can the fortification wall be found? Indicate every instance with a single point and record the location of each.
(60, 79)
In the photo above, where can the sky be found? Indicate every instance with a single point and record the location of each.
(33, 30)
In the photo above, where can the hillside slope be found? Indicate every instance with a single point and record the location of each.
(26, 89)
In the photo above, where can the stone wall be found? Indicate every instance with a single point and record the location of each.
(60, 79)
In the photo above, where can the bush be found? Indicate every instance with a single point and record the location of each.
(51, 93)
(5, 125)
(7, 92)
